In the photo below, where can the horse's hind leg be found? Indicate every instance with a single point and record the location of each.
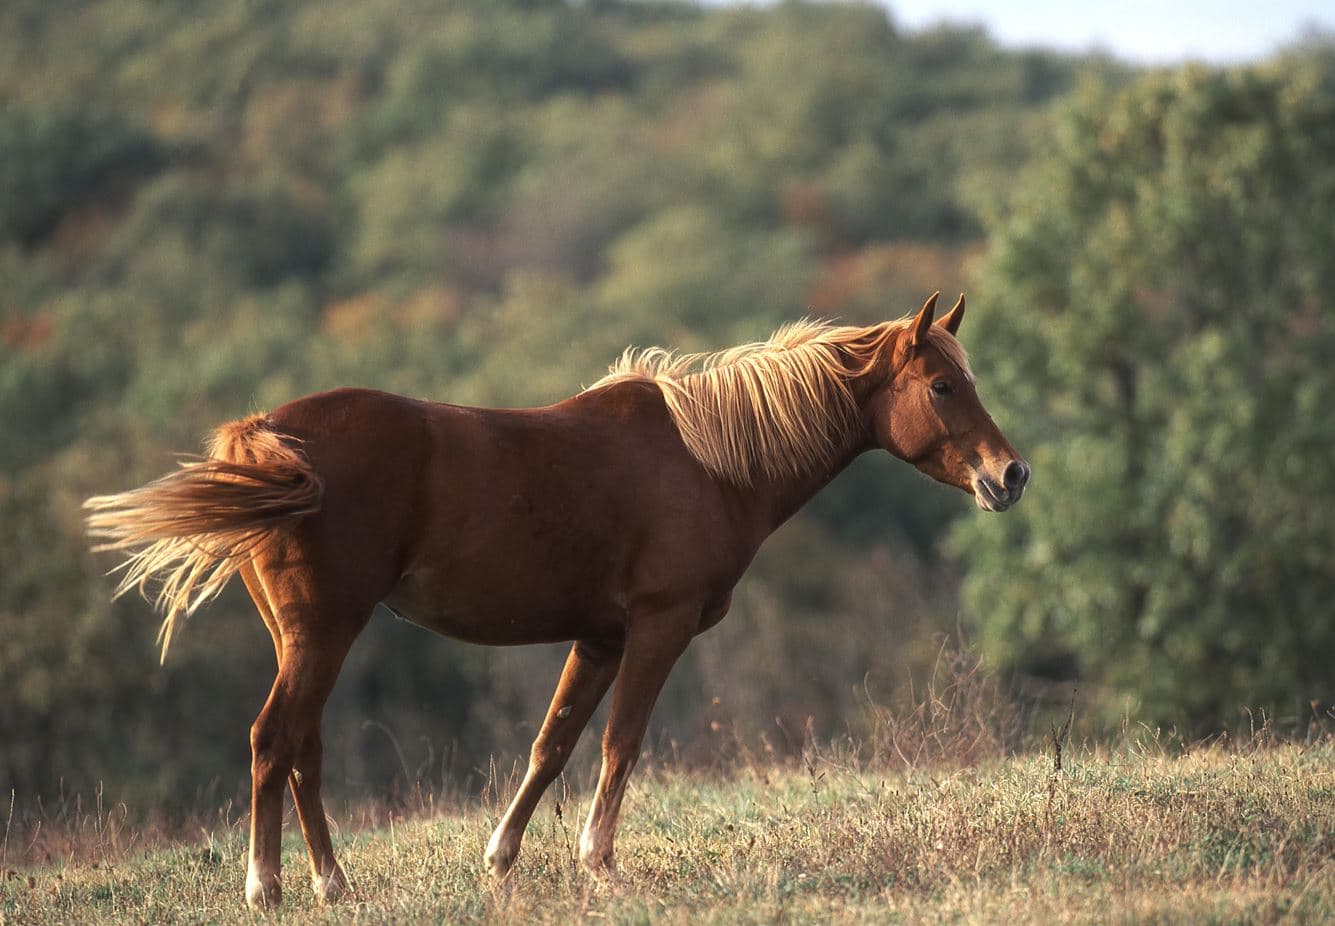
(251, 578)
(327, 876)
(312, 641)
(589, 670)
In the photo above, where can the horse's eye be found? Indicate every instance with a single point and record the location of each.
(941, 387)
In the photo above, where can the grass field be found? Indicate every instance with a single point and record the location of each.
(1128, 835)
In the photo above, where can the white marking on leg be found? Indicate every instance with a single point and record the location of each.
(329, 887)
(502, 849)
(259, 884)
(595, 841)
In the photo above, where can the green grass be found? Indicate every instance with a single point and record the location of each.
(1215, 835)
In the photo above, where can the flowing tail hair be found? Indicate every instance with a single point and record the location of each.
(193, 529)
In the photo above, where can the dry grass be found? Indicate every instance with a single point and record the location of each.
(1134, 833)
(1206, 836)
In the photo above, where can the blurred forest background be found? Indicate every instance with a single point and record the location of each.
(207, 209)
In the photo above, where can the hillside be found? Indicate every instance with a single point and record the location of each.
(209, 209)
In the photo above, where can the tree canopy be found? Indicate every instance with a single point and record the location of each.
(206, 210)
(1161, 307)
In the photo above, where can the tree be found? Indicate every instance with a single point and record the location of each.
(1162, 321)
(56, 159)
(205, 210)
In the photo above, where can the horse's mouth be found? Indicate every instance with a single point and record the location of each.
(992, 498)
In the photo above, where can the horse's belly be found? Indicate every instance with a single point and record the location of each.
(500, 615)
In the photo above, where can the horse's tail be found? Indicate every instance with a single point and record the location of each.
(194, 528)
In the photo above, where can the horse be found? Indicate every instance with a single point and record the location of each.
(619, 519)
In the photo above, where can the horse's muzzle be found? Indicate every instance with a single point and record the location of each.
(993, 495)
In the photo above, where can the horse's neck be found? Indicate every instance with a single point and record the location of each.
(778, 500)
(773, 502)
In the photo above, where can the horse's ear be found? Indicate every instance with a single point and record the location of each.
(923, 320)
(951, 320)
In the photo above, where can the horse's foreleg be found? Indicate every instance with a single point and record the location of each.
(589, 671)
(652, 648)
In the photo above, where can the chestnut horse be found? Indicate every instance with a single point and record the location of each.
(619, 519)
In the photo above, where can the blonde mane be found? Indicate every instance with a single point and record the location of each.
(773, 409)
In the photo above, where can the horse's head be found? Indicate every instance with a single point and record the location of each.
(928, 413)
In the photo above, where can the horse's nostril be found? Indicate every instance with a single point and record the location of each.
(1016, 475)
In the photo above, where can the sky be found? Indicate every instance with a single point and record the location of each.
(1138, 31)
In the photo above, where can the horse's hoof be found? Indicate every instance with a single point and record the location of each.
(602, 868)
(331, 887)
(500, 856)
(606, 881)
(499, 865)
(263, 893)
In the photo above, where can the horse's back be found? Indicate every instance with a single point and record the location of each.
(510, 525)
(544, 521)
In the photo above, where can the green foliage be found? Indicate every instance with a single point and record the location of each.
(56, 158)
(1161, 311)
(689, 265)
(208, 209)
(408, 200)
(257, 235)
